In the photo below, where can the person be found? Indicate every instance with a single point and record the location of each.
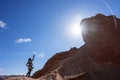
(29, 64)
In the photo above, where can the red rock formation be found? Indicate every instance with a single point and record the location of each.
(102, 37)
(56, 61)
(99, 57)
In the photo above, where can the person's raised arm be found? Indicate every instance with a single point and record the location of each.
(33, 57)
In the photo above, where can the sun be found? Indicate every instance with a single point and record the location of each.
(75, 30)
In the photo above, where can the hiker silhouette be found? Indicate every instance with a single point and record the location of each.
(29, 64)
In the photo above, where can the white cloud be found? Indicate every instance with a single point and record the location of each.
(3, 24)
(23, 40)
(39, 55)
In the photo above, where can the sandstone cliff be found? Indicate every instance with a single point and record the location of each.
(97, 59)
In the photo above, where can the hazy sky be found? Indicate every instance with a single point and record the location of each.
(43, 27)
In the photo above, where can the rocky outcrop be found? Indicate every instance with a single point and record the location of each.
(101, 35)
(55, 62)
(97, 59)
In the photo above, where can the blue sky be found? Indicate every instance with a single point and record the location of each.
(43, 27)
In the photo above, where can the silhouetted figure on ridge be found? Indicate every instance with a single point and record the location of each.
(30, 66)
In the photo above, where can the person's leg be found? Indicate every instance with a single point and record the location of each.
(29, 73)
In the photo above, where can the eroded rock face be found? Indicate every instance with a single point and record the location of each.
(101, 35)
(98, 58)
(55, 62)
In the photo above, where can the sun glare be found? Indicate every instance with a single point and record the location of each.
(74, 28)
